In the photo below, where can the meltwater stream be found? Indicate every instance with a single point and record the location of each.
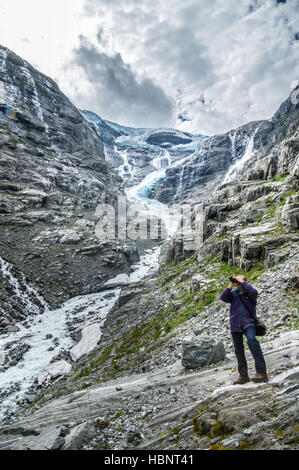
(239, 164)
(45, 335)
(45, 330)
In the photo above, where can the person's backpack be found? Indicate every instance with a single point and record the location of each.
(261, 328)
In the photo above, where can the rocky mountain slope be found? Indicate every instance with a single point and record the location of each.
(138, 152)
(129, 389)
(53, 174)
(219, 158)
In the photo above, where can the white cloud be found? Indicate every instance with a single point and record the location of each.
(116, 89)
(222, 62)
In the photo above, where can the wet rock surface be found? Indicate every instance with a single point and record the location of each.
(53, 175)
(173, 409)
(210, 164)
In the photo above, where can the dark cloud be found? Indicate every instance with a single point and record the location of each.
(117, 92)
(223, 62)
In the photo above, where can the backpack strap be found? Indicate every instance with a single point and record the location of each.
(246, 306)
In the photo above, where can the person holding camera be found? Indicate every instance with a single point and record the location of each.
(243, 320)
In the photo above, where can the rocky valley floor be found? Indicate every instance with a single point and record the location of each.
(155, 403)
(170, 408)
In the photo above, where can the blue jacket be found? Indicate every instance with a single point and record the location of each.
(240, 318)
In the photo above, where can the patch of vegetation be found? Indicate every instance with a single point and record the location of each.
(244, 445)
(222, 237)
(85, 385)
(101, 424)
(163, 433)
(273, 205)
(284, 197)
(118, 414)
(223, 271)
(219, 446)
(279, 434)
(271, 210)
(176, 430)
(294, 324)
(219, 429)
(280, 176)
(174, 269)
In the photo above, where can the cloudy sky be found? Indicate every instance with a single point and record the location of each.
(203, 66)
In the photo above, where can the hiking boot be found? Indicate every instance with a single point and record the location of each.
(241, 380)
(260, 378)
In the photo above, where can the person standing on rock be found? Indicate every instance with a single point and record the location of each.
(243, 321)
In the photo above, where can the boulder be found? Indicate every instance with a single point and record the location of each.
(196, 282)
(201, 351)
(237, 418)
(12, 329)
(290, 212)
(71, 237)
(204, 285)
(78, 436)
(118, 281)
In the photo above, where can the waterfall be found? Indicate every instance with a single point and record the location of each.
(233, 143)
(126, 170)
(39, 110)
(180, 186)
(35, 98)
(28, 298)
(162, 161)
(238, 165)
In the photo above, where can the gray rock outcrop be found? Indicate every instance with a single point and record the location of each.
(78, 436)
(202, 351)
(53, 175)
(197, 177)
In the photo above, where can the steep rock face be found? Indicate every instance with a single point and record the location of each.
(137, 152)
(53, 174)
(205, 168)
(210, 165)
(250, 222)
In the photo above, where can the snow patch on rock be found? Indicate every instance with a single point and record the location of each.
(91, 335)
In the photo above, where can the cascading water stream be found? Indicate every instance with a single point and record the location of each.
(238, 165)
(233, 142)
(48, 333)
(16, 380)
(41, 329)
(162, 161)
(127, 170)
(28, 298)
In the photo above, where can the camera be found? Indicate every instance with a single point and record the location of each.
(233, 280)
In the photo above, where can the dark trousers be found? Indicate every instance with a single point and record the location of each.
(255, 350)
